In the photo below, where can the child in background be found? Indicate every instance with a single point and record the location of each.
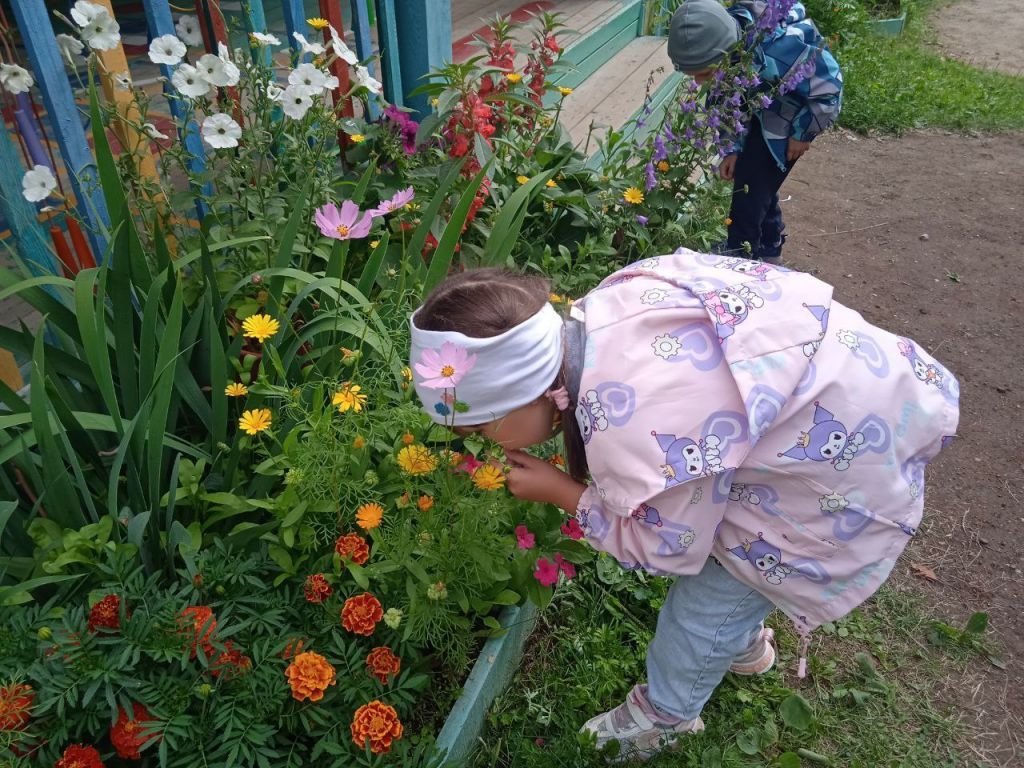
(704, 34)
(734, 426)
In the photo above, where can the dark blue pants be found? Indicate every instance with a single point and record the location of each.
(755, 213)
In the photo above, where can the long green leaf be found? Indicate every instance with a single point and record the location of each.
(419, 237)
(284, 251)
(441, 260)
(89, 308)
(218, 376)
(169, 352)
(371, 270)
(20, 593)
(510, 219)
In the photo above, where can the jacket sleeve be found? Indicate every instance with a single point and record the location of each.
(822, 95)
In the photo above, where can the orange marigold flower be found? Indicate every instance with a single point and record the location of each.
(79, 756)
(408, 439)
(378, 724)
(129, 734)
(557, 460)
(16, 702)
(361, 613)
(294, 647)
(383, 664)
(488, 477)
(359, 442)
(368, 516)
(316, 587)
(198, 621)
(106, 614)
(231, 662)
(309, 675)
(353, 547)
(425, 503)
(403, 501)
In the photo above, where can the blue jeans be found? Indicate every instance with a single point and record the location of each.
(707, 621)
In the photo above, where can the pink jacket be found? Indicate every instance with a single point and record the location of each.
(732, 409)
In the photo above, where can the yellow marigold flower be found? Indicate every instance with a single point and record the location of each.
(359, 442)
(554, 298)
(369, 516)
(416, 460)
(318, 23)
(260, 327)
(663, 166)
(348, 398)
(633, 196)
(357, 138)
(255, 421)
(513, 77)
(522, 179)
(234, 389)
(425, 503)
(488, 477)
(408, 439)
(551, 183)
(564, 91)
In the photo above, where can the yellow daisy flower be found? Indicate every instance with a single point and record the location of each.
(564, 91)
(348, 398)
(260, 327)
(317, 23)
(663, 166)
(407, 373)
(416, 460)
(369, 516)
(551, 184)
(255, 421)
(513, 77)
(522, 179)
(357, 138)
(234, 389)
(488, 478)
(374, 244)
(633, 196)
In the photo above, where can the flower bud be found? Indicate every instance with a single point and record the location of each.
(44, 633)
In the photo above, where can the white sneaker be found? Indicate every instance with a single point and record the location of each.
(759, 657)
(639, 733)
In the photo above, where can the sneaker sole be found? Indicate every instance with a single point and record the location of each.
(762, 665)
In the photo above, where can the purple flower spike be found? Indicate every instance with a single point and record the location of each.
(651, 180)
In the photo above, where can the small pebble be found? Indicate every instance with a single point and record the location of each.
(923, 237)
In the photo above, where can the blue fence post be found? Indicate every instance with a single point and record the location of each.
(424, 43)
(256, 21)
(364, 47)
(158, 17)
(390, 64)
(41, 44)
(295, 21)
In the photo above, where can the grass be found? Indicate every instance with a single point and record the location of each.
(893, 85)
(867, 702)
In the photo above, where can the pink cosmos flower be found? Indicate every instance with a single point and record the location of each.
(397, 201)
(546, 573)
(572, 529)
(565, 567)
(444, 368)
(469, 464)
(524, 538)
(343, 224)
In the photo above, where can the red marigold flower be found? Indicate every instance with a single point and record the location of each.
(16, 702)
(106, 614)
(231, 662)
(353, 547)
(383, 664)
(293, 648)
(128, 735)
(198, 621)
(79, 756)
(377, 723)
(361, 613)
(316, 588)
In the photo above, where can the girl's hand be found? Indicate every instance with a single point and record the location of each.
(796, 149)
(533, 479)
(727, 170)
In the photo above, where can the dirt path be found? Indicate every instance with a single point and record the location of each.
(930, 233)
(985, 33)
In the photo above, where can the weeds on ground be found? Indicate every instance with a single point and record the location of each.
(867, 702)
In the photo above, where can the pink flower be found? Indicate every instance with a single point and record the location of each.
(565, 567)
(524, 538)
(469, 464)
(399, 200)
(444, 368)
(546, 573)
(572, 529)
(344, 224)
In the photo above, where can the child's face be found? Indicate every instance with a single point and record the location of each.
(529, 425)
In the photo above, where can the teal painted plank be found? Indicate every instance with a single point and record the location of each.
(492, 672)
(31, 241)
(41, 45)
(364, 47)
(424, 43)
(603, 38)
(294, 21)
(387, 39)
(888, 27)
(256, 21)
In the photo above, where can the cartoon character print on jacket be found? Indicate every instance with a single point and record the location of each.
(647, 514)
(821, 315)
(610, 403)
(757, 269)
(828, 440)
(730, 307)
(931, 374)
(768, 560)
(687, 459)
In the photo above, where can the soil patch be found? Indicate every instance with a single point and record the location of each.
(985, 33)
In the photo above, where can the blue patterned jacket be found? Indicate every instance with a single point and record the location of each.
(814, 103)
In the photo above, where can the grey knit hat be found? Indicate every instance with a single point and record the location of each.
(700, 32)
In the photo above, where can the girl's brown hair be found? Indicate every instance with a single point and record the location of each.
(482, 303)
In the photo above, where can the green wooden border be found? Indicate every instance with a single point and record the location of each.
(888, 27)
(595, 49)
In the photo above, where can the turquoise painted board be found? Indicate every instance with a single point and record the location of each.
(31, 242)
(888, 27)
(256, 21)
(387, 39)
(492, 672)
(41, 44)
(364, 46)
(294, 21)
(424, 43)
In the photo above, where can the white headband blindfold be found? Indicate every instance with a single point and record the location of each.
(464, 381)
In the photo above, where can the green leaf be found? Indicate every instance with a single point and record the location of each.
(284, 251)
(419, 237)
(796, 712)
(507, 597)
(977, 624)
(441, 259)
(788, 760)
(371, 271)
(749, 741)
(510, 219)
(20, 593)
(358, 575)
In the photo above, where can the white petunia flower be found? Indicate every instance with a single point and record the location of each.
(15, 79)
(84, 12)
(189, 82)
(331, 83)
(188, 30)
(296, 101)
(102, 33)
(274, 91)
(364, 79)
(314, 48)
(38, 184)
(231, 69)
(263, 39)
(152, 131)
(215, 71)
(666, 346)
(341, 50)
(309, 77)
(166, 49)
(69, 47)
(220, 131)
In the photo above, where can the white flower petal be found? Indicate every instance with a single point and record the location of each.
(188, 30)
(296, 101)
(188, 82)
(264, 39)
(220, 131)
(152, 131)
(84, 12)
(15, 79)
(38, 184)
(70, 47)
(314, 48)
(167, 49)
(102, 33)
(364, 79)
